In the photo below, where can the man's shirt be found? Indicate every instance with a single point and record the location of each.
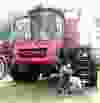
(65, 71)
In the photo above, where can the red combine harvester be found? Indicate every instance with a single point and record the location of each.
(36, 41)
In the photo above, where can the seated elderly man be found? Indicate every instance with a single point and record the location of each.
(67, 81)
(64, 74)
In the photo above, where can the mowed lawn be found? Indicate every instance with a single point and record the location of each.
(39, 93)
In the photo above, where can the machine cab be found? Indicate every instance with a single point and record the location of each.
(38, 35)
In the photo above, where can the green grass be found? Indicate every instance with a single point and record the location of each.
(38, 93)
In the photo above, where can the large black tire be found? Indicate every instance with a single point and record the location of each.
(34, 71)
(13, 70)
(21, 72)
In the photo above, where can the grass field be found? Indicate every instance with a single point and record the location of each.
(38, 93)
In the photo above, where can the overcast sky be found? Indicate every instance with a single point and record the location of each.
(90, 9)
(9, 5)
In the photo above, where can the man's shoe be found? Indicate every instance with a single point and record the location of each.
(59, 92)
(69, 92)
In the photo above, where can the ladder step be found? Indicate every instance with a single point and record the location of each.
(84, 74)
(84, 81)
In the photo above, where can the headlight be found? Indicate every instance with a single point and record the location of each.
(20, 28)
(22, 24)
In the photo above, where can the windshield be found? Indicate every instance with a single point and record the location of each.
(47, 26)
(41, 26)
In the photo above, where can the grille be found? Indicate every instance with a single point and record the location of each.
(35, 52)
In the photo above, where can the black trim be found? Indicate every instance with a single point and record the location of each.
(58, 12)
